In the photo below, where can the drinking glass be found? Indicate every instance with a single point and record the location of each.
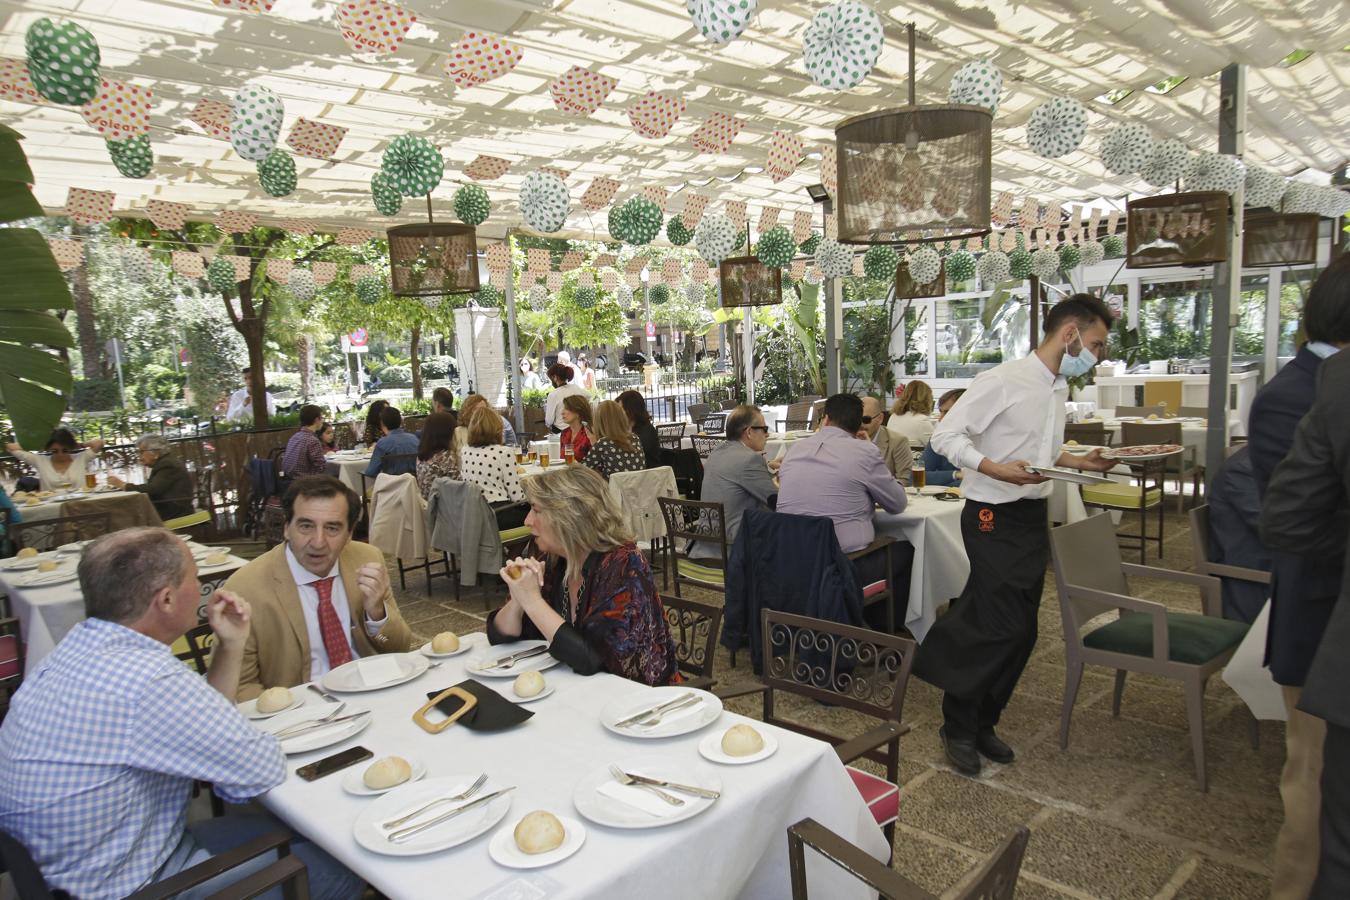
(919, 476)
(543, 458)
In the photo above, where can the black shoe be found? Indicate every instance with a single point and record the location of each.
(961, 753)
(993, 747)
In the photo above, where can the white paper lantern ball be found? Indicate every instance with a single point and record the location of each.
(1333, 202)
(693, 292)
(994, 267)
(1092, 253)
(1045, 263)
(1057, 127)
(544, 201)
(1214, 172)
(302, 284)
(721, 21)
(625, 296)
(1126, 148)
(977, 83)
(255, 122)
(834, 259)
(925, 265)
(136, 264)
(1264, 188)
(716, 238)
(1166, 164)
(1301, 197)
(842, 44)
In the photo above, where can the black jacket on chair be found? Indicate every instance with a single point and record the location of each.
(1234, 535)
(791, 564)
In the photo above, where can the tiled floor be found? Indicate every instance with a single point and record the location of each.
(1116, 815)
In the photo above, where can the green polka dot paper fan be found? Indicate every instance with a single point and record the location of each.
(721, 21)
(220, 275)
(133, 156)
(716, 238)
(302, 284)
(277, 173)
(1057, 127)
(977, 83)
(842, 44)
(676, 233)
(586, 297)
(618, 222)
(1069, 257)
(388, 201)
(1166, 164)
(370, 289)
(925, 265)
(808, 247)
(1126, 148)
(472, 206)
(960, 266)
(994, 267)
(413, 165)
(834, 259)
(1019, 264)
(659, 295)
(644, 220)
(1045, 263)
(63, 62)
(544, 201)
(255, 122)
(1092, 253)
(879, 262)
(776, 247)
(1114, 246)
(490, 296)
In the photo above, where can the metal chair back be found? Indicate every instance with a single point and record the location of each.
(200, 639)
(671, 434)
(1199, 518)
(706, 445)
(48, 534)
(694, 627)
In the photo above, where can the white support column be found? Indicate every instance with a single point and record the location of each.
(748, 353)
(1274, 284)
(513, 338)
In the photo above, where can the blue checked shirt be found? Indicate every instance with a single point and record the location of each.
(99, 752)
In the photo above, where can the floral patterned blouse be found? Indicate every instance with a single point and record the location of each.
(607, 457)
(442, 465)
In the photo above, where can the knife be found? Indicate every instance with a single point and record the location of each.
(404, 833)
(685, 788)
(514, 658)
(660, 707)
(306, 727)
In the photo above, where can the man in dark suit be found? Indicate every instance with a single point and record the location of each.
(1307, 510)
(1304, 583)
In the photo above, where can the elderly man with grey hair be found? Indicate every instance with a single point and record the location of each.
(105, 739)
(169, 484)
(736, 474)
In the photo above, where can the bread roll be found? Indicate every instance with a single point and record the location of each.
(48, 565)
(742, 740)
(274, 700)
(539, 832)
(528, 684)
(386, 773)
(26, 553)
(216, 559)
(445, 642)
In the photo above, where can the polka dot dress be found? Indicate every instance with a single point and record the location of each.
(607, 457)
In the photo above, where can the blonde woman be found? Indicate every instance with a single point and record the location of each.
(911, 417)
(593, 598)
(615, 448)
(486, 462)
(466, 410)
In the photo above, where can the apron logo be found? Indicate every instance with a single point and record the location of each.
(986, 520)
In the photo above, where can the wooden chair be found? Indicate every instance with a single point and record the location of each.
(1133, 498)
(671, 434)
(1146, 637)
(48, 534)
(797, 417)
(817, 412)
(1181, 465)
(1091, 434)
(993, 879)
(697, 412)
(706, 445)
(700, 521)
(854, 668)
(694, 626)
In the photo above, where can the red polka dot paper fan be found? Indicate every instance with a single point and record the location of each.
(323, 272)
(717, 132)
(785, 153)
(315, 139)
(599, 194)
(692, 214)
(188, 264)
(486, 168)
(89, 207)
(214, 118)
(119, 111)
(480, 57)
(655, 113)
(16, 85)
(579, 92)
(369, 26)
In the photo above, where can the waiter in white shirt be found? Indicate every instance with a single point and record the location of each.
(1012, 417)
(241, 401)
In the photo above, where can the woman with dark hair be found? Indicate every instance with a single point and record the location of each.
(641, 422)
(373, 432)
(436, 457)
(576, 412)
(328, 437)
(64, 462)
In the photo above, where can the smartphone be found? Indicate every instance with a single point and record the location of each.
(335, 763)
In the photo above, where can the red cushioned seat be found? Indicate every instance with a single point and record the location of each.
(882, 797)
(873, 589)
(9, 656)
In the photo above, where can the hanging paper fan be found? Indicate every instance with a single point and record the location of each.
(387, 198)
(925, 265)
(716, 238)
(1301, 197)
(277, 173)
(472, 206)
(1069, 257)
(220, 275)
(721, 21)
(643, 218)
(255, 122)
(834, 259)
(1045, 263)
(302, 284)
(842, 44)
(659, 295)
(1264, 188)
(695, 294)
(1092, 252)
(489, 296)
(63, 62)
(618, 222)
(776, 247)
(625, 296)
(1333, 202)
(1114, 246)
(676, 233)
(879, 262)
(544, 202)
(132, 157)
(809, 246)
(977, 83)
(1166, 164)
(1057, 127)
(539, 297)
(137, 265)
(413, 165)
(1126, 148)
(370, 289)
(960, 266)
(1214, 172)
(994, 267)
(813, 276)
(1019, 264)
(586, 297)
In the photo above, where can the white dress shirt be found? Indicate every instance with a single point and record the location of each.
(309, 605)
(554, 404)
(1323, 349)
(239, 408)
(1013, 411)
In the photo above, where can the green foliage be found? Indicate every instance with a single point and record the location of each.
(866, 355)
(158, 382)
(438, 367)
(95, 394)
(534, 398)
(216, 353)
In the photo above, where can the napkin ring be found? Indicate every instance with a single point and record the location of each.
(420, 717)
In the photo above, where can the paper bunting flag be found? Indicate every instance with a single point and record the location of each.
(323, 272)
(360, 271)
(279, 270)
(658, 195)
(829, 168)
(698, 270)
(188, 264)
(498, 257)
(315, 139)
(16, 85)
(486, 168)
(579, 92)
(604, 259)
(1112, 220)
(1053, 215)
(717, 132)
(637, 263)
(801, 225)
(785, 153)
(735, 211)
(298, 226)
(479, 58)
(609, 281)
(1001, 212)
(1007, 243)
(768, 217)
(554, 170)
(89, 207)
(1029, 214)
(69, 254)
(537, 258)
(832, 227)
(633, 280)
(655, 113)
(241, 266)
(798, 269)
(572, 259)
(554, 281)
(586, 279)
(253, 6)
(694, 205)
(369, 26)
(1076, 219)
(354, 237)
(234, 220)
(842, 44)
(599, 194)
(213, 116)
(973, 244)
(672, 269)
(120, 111)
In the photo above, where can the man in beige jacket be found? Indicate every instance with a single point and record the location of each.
(319, 599)
(894, 449)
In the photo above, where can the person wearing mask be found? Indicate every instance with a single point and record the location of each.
(895, 452)
(736, 475)
(911, 417)
(529, 378)
(64, 463)
(304, 451)
(241, 401)
(169, 486)
(396, 442)
(641, 422)
(1011, 417)
(938, 469)
(560, 376)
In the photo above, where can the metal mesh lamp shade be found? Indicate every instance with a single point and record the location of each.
(1279, 239)
(433, 259)
(1186, 229)
(748, 282)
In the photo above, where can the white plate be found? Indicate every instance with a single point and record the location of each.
(347, 677)
(370, 833)
(931, 490)
(319, 738)
(503, 850)
(511, 695)
(74, 548)
(199, 552)
(463, 648)
(626, 707)
(603, 810)
(533, 664)
(250, 707)
(710, 748)
(15, 564)
(354, 781)
(48, 579)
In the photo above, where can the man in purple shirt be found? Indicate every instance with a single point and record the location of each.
(304, 451)
(837, 473)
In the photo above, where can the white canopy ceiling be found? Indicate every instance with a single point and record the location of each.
(185, 50)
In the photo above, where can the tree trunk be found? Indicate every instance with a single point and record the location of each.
(306, 360)
(413, 346)
(251, 326)
(91, 360)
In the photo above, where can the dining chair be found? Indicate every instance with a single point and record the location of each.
(848, 667)
(882, 590)
(694, 626)
(697, 412)
(714, 423)
(993, 879)
(695, 520)
(1199, 519)
(671, 434)
(797, 417)
(195, 647)
(48, 534)
(368, 481)
(1145, 636)
(636, 494)
(12, 660)
(1142, 411)
(706, 445)
(1181, 465)
(1091, 434)
(817, 412)
(1133, 498)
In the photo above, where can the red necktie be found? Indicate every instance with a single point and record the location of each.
(334, 638)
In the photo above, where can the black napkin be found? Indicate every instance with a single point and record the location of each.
(493, 712)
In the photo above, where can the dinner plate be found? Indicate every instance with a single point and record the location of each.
(710, 748)
(463, 648)
(707, 712)
(319, 738)
(199, 552)
(73, 548)
(605, 810)
(1077, 476)
(353, 782)
(373, 673)
(250, 707)
(20, 564)
(503, 850)
(511, 695)
(369, 831)
(48, 579)
(534, 664)
(931, 490)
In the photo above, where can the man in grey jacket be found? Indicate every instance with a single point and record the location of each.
(736, 474)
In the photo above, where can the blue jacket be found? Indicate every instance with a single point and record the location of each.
(1235, 535)
(938, 468)
(397, 441)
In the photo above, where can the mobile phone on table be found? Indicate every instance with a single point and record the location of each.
(335, 763)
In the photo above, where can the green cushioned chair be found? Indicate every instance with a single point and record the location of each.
(695, 520)
(1133, 499)
(1120, 496)
(1190, 638)
(514, 534)
(707, 575)
(194, 518)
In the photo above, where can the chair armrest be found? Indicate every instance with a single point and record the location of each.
(1211, 590)
(1219, 570)
(216, 865)
(850, 858)
(741, 692)
(884, 733)
(288, 868)
(879, 543)
(702, 683)
(1158, 611)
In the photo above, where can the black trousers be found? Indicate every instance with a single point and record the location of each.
(873, 568)
(977, 651)
(1333, 869)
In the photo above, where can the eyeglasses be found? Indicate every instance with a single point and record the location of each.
(867, 420)
(763, 428)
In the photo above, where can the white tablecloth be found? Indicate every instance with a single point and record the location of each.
(940, 563)
(737, 848)
(54, 507)
(348, 468)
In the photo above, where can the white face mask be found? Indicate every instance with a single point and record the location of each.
(1076, 364)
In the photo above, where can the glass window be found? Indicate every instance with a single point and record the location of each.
(1294, 287)
(978, 333)
(1250, 338)
(1174, 319)
(916, 337)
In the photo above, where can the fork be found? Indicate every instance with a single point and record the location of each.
(652, 718)
(465, 795)
(623, 777)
